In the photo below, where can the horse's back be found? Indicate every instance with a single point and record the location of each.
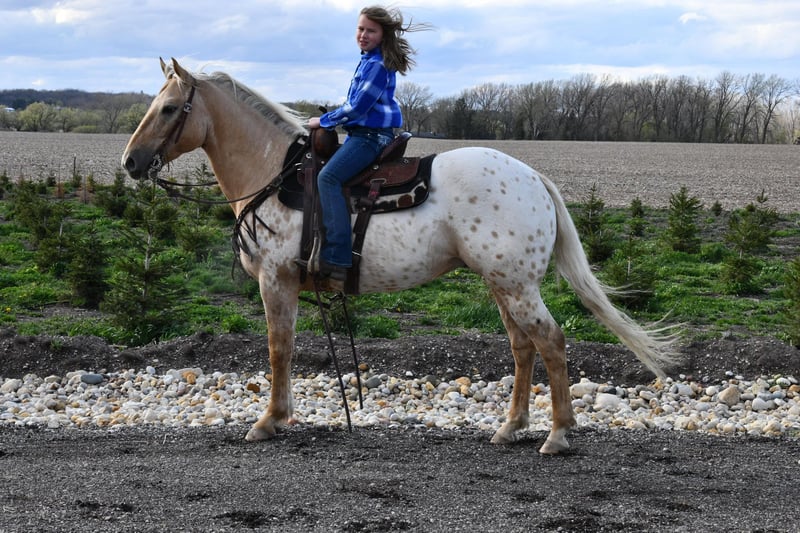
(486, 210)
(487, 171)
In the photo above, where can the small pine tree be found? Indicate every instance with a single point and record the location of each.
(115, 198)
(86, 271)
(739, 275)
(146, 285)
(196, 238)
(592, 224)
(682, 234)
(631, 272)
(637, 224)
(42, 218)
(750, 230)
(56, 251)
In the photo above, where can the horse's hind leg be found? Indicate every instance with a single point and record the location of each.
(530, 326)
(524, 353)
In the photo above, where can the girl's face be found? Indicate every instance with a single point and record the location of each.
(369, 34)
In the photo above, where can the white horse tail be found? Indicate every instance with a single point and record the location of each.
(653, 346)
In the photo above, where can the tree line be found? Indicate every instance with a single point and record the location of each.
(728, 109)
(753, 108)
(71, 111)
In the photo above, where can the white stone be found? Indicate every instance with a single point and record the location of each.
(10, 385)
(647, 395)
(584, 387)
(762, 405)
(730, 396)
(607, 401)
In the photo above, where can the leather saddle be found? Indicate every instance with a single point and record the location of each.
(402, 182)
(390, 183)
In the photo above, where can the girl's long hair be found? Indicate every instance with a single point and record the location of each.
(396, 49)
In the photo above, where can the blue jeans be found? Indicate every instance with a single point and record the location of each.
(360, 149)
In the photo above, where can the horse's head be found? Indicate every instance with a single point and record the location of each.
(169, 128)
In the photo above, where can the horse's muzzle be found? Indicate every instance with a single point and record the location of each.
(140, 163)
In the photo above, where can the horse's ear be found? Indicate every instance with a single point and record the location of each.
(182, 73)
(164, 68)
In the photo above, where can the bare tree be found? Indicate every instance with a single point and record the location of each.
(415, 102)
(641, 108)
(604, 93)
(657, 94)
(455, 116)
(726, 97)
(748, 108)
(774, 91)
(491, 103)
(578, 97)
(699, 109)
(791, 121)
(504, 119)
(112, 109)
(537, 104)
(618, 111)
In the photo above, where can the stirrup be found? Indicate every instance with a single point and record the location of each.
(322, 281)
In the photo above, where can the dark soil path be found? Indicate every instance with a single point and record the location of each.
(310, 479)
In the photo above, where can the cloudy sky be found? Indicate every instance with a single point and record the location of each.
(305, 49)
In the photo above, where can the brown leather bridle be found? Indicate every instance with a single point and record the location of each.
(177, 130)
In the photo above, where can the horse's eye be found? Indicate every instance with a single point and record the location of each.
(169, 109)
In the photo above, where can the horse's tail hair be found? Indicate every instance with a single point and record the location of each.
(653, 346)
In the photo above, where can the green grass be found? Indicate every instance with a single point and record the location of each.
(688, 288)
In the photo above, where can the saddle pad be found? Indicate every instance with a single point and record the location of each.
(391, 198)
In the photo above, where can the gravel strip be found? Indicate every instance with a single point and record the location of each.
(767, 406)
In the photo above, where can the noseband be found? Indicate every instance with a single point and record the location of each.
(177, 129)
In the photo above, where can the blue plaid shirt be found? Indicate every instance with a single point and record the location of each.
(370, 99)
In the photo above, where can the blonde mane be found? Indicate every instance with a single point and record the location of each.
(288, 120)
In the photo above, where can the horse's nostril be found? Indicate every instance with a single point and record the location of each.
(130, 164)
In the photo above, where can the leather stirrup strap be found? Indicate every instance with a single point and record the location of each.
(360, 231)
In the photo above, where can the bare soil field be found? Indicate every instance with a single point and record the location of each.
(732, 175)
(410, 479)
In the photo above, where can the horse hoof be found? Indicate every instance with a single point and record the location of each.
(256, 434)
(552, 447)
(503, 438)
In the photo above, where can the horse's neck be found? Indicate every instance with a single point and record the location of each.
(245, 150)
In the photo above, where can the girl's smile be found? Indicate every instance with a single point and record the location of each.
(369, 34)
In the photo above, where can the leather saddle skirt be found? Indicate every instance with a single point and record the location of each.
(401, 182)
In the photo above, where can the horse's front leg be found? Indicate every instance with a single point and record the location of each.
(281, 310)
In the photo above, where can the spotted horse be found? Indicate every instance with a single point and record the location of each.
(485, 211)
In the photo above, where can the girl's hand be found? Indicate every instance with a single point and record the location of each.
(313, 123)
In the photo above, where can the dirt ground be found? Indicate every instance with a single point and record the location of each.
(315, 480)
(311, 479)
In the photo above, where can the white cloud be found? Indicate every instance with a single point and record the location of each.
(60, 15)
(690, 17)
(229, 24)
